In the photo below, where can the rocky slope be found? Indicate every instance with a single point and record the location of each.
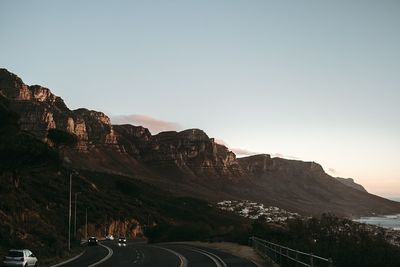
(186, 162)
(350, 182)
(297, 185)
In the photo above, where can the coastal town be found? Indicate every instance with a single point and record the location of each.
(254, 210)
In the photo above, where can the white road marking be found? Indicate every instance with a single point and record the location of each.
(110, 253)
(216, 259)
(183, 261)
(69, 260)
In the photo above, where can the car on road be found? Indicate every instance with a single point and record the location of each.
(92, 241)
(122, 242)
(20, 257)
(109, 237)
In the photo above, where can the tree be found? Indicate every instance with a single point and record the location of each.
(59, 137)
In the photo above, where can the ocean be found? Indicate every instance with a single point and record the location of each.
(385, 221)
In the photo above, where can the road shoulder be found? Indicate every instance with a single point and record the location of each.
(244, 252)
(69, 260)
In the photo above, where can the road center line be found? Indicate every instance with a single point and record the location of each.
(110, 253)
(183, 260)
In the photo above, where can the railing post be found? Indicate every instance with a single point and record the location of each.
(287, 255)
(269, 250)
(311, 260)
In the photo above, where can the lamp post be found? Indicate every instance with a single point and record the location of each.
(86, 225)
(76, 203)
(69, 209)
(69, 212)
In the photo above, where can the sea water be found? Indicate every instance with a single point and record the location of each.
(385, 221)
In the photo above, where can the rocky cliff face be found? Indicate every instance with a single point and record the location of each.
(130, 229)
(189, 153)
(40, 110)
(192, 153)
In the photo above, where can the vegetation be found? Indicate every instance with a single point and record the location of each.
(20, 149)
(167, 217)
(61, 138)
(347, 242)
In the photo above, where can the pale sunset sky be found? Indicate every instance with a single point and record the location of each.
(310, 80)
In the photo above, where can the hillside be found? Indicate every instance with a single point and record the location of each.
(34, 185)
(186, 163)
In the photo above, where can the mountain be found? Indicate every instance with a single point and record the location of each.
(350, 182)
(304, 186)
(34, 193)
(186, 163)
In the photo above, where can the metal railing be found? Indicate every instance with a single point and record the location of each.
(285, 256)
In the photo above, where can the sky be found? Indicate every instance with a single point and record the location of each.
(311, 80)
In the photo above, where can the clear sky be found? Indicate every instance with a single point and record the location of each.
(313, 80)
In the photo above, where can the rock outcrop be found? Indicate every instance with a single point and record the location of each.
(192, 153)
(130, 229)
(40, 110)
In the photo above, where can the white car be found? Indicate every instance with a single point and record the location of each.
(110, 237)
(20, 257)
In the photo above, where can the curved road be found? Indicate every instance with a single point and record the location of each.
(108, 254)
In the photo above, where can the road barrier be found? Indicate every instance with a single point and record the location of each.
(287, 257)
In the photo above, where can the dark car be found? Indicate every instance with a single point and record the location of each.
(92, 241)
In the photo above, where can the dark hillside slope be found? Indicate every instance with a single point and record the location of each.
(302, 185)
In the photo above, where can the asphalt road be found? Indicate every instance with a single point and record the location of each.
(138, 253)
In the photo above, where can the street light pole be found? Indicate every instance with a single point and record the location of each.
(69, 212)
(76, 202)
(86, 226)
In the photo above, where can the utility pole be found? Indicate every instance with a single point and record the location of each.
(76, 202)
(86, 225)
(69, 212)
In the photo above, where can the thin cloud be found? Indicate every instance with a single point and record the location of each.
(332, 171)
(279, 155)
(238, 151)
(243, 152)
(153, 124)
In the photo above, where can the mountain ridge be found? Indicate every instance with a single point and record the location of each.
(186, 162)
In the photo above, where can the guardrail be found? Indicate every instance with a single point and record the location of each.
(287, 257)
